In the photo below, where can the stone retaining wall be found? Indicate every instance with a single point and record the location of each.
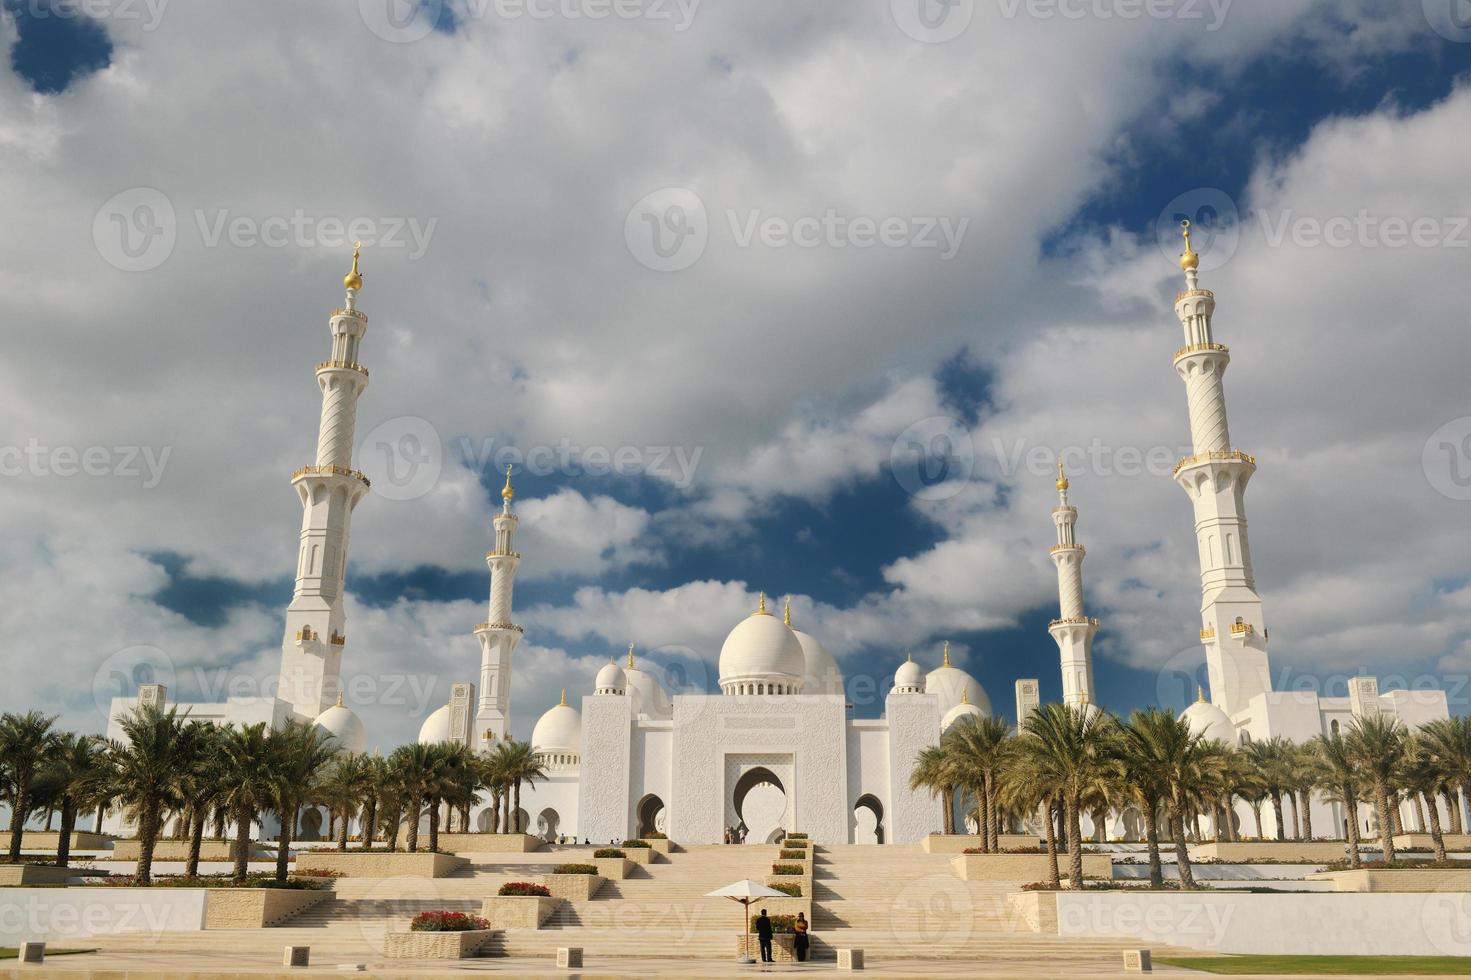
(435, 945)
(959, 843)
(257, 908)
(1306, 852)
(574, 888)
(400, 864)
(1026, 867)
(20, 875)
(489, 843)
(518, 912)
(1398, 880)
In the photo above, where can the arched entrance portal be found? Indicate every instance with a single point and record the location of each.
(868, 820)
(485, 821)
(761, 806)
(650, 815)
(548, 824)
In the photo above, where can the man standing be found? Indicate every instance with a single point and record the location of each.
(763, 933)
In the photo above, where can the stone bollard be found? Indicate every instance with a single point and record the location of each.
(32, 953)
(850, 959)
(1137, 961)
(570, 957)
(297, 956)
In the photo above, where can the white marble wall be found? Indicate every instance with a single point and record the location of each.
(914, 725)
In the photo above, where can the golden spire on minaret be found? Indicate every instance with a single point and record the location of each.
(1190, 261)
(786, 615)
(630, 656)
(1199, 694)
(354, 279)
(947, 654)
(564, 697)
(1062, 483)
(761, 607)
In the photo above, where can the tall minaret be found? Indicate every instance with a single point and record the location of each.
(311, 652)
(1073, 631)
(1232, 627)
(499, 636)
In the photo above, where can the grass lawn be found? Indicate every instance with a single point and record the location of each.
(10, 952)
(1320, 965)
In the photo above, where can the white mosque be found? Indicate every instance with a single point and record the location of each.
(777, 750)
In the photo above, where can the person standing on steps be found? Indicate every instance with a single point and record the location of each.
(763, 933)
(799, 944)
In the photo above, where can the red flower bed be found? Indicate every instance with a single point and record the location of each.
(525, 888)
(447, 922)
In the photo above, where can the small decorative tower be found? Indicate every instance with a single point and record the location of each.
(1072, 630)
(1233, 629)
(330, 489)
(499, 636)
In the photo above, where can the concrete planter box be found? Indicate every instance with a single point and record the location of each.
(1416, 842)
(50, 840)
(1025, 867)
(20, 875)
(804, 880)
(401, 864)
(178, 850)
(436, 945)
(1036, 911)
(1404, 880)
(518, 911)
(783, 948)
(959, 843)
(783, 906)
(489, 843)
(664, 847)
(1305, 852)
(614, 869)
(574, 888)
(639, 855)
(256, 908)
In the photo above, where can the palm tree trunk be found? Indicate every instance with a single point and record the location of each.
(1075, 844)
(242, 841)
(1307, 813)
(283, 845)
(1256, 812)
(1100, 826)
(1453, 812)
(1394, 815)
(1464, 806)
(342, 828)
(1054, 879)
(1437, 839)
(396, 819)
(101, 810)
(1296, 823)
(196, 842)
(1277, 809)
(1419, 810)
(370, 816)
(993, 811)
(1351, 803)
(434, 805)
(983, 817)
(68, 822)
(411, 835)
(18, 810)
(947, 801)
(1182, 852)
(147, 837)
(516, 811)
(1151, 836)
(1386, 824)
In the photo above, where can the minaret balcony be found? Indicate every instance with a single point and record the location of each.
(1192, 293)
(1189, 349)
(1074, 621)
(1242, 630)
(1209, 633)
(491, 627)
(1221, 457)
(1067, 547)
(355, 314)
(331, 471)
(342, 366)
(503, 554)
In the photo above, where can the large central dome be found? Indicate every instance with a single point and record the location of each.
(762, 656)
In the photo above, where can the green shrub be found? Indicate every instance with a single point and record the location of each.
(793, 854)
(784, 924)
(635, 843)
(789, 888)
(796, 836)
(788, 869)
(657, 836)
(525, 888)
(608, 852)
(575, 869)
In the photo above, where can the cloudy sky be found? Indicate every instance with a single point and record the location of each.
(802, 296)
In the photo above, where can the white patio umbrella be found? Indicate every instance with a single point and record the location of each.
(746, 892)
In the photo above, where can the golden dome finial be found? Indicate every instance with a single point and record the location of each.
(339, 700)
(1062, 483)
(947, 654)
(1190, 261)
(965, 695)
(564, 698)
(786, 616)
(630, 656)
(761, 606)
(354, 279)
(1199, 694)
(507, 493)
(910, 657)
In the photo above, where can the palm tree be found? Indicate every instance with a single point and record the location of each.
(460, 787)
(299, 753)
(520, 765)
(25, 741)
(347, 787)
(933, 771)
(1142, 749)
(145, 771)
(1420, 774)
(1339, 776)
(1271, 760)
(1304, 767)
(1449, 741)
(1065, 748)
(1377, 745)
(77, 766)
(978, 748)
(381, 798)
(245, 782)
(199, 786)
(413, 768)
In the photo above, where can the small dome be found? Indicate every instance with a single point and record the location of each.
(345, 727)
(909, 677)
(1209, 721)
(762, 650)
(435, 728)
(821, 675)
(953, 686)
(611, 680)
(559, 732)
(960, 711)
